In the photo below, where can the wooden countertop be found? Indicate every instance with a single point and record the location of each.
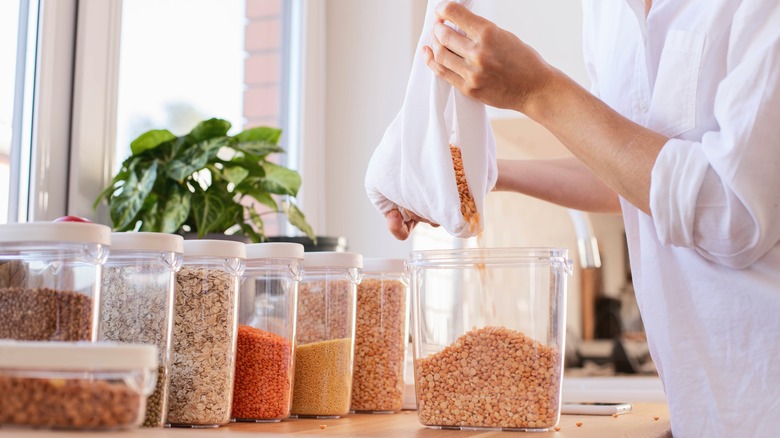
(639, 423)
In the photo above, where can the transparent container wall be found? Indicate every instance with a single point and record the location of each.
(137, 307)
(380, 343)
(87, 400)
(266, 340)
(204, 343)
(325, 336)
(50, 292)
(488, 329)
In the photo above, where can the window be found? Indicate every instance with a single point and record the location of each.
(9, 28)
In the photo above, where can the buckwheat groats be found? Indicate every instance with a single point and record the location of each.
(44, 314)
(68, 404)
(490, 377)
(74, 385)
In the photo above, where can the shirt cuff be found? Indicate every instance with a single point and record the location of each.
(675, 183)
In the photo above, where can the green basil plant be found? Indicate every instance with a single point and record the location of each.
(204, 182)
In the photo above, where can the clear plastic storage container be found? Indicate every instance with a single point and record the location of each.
(75, 385)
(136, 303)
(50, 280)
(325, 334)
(488, 327)
(380, 337)
(204, 333)
(266, 332)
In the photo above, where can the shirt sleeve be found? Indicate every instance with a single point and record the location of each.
(588, 43)
(721, 196)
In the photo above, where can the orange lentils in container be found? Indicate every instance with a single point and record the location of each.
(263, 376)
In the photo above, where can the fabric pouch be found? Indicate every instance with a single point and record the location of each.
(437, 159)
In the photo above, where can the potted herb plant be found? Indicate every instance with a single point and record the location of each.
(204, 182)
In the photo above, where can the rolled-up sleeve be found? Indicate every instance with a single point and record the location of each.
(721, 195)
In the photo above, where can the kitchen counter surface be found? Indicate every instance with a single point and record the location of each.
(640, 423)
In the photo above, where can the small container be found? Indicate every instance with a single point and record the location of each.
(204, 333)
(380, 337)
(136, 304)
(75, 385)
(50, 280)
(488, 327)
(266, 332)
(325, 334)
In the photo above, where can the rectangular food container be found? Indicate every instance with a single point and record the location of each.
(50, 280)
(381, 334)
(325, 334)
(75, 386)
(204, 333)
(136, 304)
(265, 348)
(489, 327)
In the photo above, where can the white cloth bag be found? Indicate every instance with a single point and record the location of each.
(412, 167)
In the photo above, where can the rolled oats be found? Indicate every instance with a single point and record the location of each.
(203, 347)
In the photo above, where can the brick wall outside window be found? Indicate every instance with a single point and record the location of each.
(262, 68)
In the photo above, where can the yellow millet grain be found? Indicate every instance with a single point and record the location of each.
(323, 378)
(490, 377)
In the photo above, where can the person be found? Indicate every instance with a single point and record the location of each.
(681, 134)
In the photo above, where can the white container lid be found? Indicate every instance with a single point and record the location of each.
(384, 265)
(143, 241)
(274, 250)
(214, 248)
(71, 232)
(76, 356)
(332, 259)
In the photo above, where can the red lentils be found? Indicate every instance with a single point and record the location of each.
(263, 383)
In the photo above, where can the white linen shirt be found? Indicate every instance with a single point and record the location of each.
(706, 265)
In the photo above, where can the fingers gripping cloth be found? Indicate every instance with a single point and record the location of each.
(438, 157)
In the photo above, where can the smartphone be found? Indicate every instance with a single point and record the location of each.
(595, 408)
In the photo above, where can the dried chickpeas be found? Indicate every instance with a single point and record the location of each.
(380, 345)
(468, 207)
(490, 377)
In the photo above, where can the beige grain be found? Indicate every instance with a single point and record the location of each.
(490, 377)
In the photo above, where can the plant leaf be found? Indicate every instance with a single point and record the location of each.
(193, 159)
(176, 210)
(298, 220)
(109, 191)
(264, 198)
(280, 180)
(251, 233)
(254, 216)
(150, 218)
(150, 140)
(207, 210)
(234, 174)
(259, 149)
(262, 133)
(129, 202)
(208, 129)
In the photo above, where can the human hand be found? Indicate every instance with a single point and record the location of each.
(488, 63)
(403, 229)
